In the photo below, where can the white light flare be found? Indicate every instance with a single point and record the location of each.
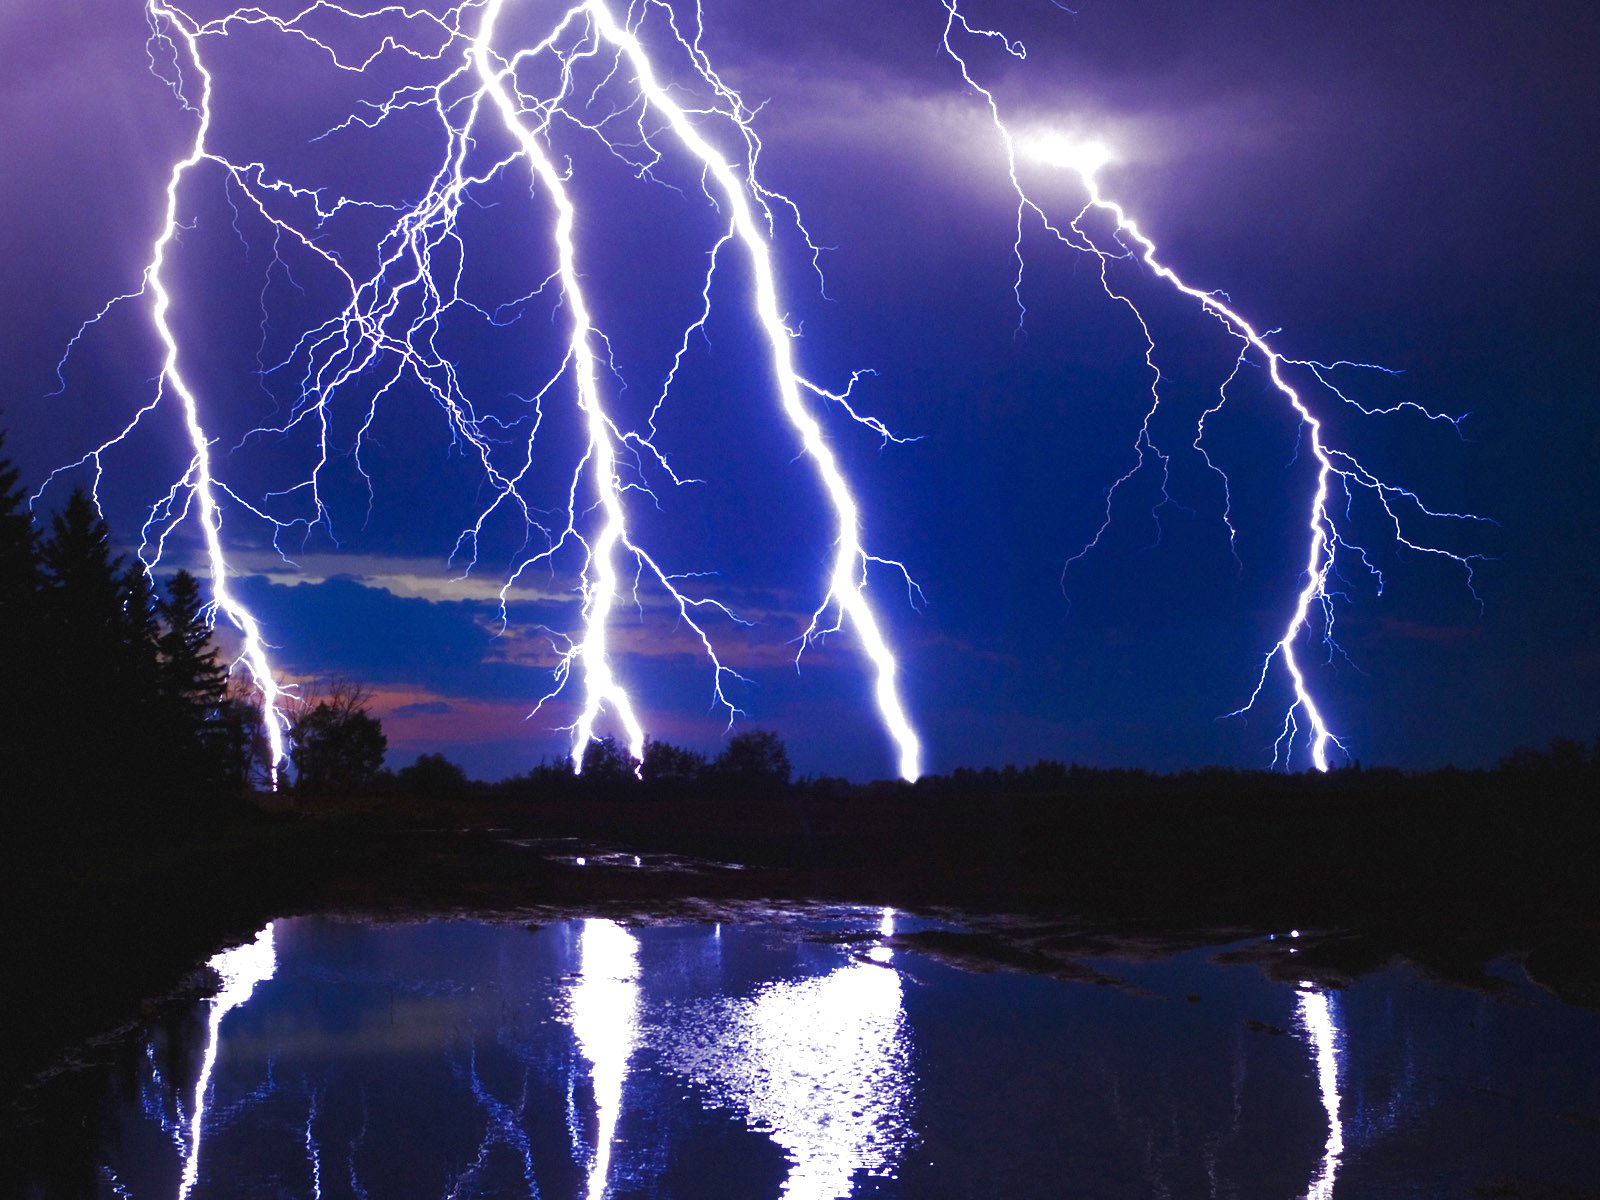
(241, 969)
(883, 953)
(1052, 148)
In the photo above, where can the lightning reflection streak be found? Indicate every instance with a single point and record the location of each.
(822, 1065)
(1319, 1020)
(604, 1011)
(241, 969)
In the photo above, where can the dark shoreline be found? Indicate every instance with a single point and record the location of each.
(1449, 872)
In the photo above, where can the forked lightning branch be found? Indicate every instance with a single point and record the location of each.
(638, 83)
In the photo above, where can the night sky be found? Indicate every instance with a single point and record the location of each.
(1410, 184)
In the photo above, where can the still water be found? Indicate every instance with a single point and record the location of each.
(803, 1056)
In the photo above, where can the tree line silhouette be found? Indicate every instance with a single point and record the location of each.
(116, 697)
(753, 760)
(113, 692)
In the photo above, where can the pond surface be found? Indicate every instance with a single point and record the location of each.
(803, 1057)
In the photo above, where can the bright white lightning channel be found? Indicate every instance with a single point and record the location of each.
(1312, 614)
(1086, 160)
(198, 486)
(600, 590)
(388, 329)
(847, 579)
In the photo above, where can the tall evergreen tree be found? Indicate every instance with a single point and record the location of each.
(97, 623)
(193, 684)
(84, 590)
(141, 654)
(20, 576)
(22, 645)
(114, 700)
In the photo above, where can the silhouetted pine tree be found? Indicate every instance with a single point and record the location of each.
(102, 684)
(113, 699)
(22, 717)
(193, 684)
(20, 576)
(149, 722)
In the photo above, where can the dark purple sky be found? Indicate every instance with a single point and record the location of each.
(1403, 183)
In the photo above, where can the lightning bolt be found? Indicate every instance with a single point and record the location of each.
(197, 488)
(387, 333)
(639, 83)
(1339, 473)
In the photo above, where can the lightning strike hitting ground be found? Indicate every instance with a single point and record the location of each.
(388, 329)
(1312, 618)
(501, 110)
(198, 487)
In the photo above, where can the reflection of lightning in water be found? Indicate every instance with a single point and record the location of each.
(241, 969)
(1319, 1021)
(1337, 470)
(603, 1008)
(881, 953)
(313, 1148)
(357, 1188)
(816, 1061)
(154, 1096)
(504, 1127)
(821, 1064)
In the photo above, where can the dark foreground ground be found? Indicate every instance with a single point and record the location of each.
(1448, 871)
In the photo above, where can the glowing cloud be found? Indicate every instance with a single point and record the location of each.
(1055, 149)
